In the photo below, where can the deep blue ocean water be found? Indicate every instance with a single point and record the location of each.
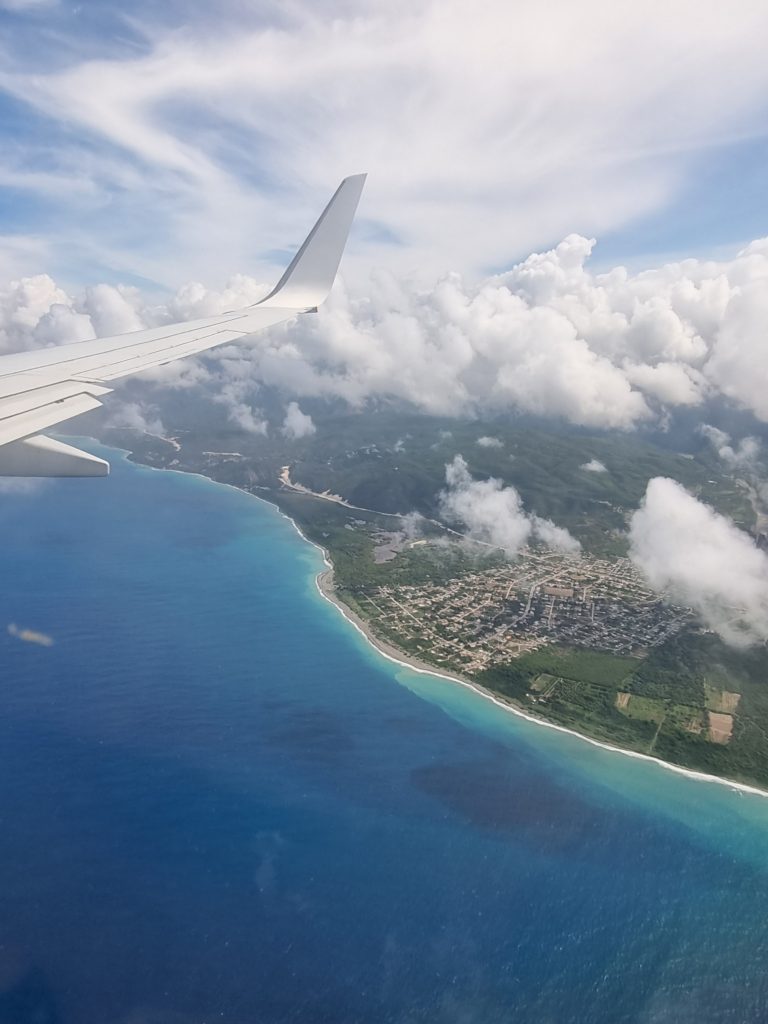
(218, 803)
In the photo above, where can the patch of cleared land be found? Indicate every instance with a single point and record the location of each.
(695, 722)
(544, 683)
(644, 708)
(720, 727)
(723, 701)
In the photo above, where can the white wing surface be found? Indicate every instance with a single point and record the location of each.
(41, 388)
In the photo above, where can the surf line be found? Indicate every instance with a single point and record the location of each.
(738, 787)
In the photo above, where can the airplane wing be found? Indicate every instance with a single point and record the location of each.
(41, 388)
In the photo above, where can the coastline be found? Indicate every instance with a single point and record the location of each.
(324, 585)
(325, 588)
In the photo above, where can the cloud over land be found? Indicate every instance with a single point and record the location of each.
(548, 337)
(702, 560)
(297, 424)
(494, 514)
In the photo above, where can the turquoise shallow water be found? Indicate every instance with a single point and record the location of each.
(218, 803)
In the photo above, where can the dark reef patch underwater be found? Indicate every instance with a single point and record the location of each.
(218, 804)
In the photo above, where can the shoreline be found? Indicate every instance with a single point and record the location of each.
(325, 585)
(326, 590)
(391, 653)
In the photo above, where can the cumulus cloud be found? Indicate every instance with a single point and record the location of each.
(669, 383)
(742, 455)
(489, 442)
(135, 416)
(594, 466)
(297, 424)
(699, 558)
(114, 310)
(548, 337)
(241, 413)
(35, 312)
(737, 357)
(493, 514)
(556, 537)
(234, 388)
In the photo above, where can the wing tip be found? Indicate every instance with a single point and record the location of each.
(311, 273)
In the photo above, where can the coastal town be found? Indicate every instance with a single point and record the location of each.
(580, 641)
(489, 616)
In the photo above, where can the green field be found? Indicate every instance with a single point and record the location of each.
(665, 700)
(587, 666)
(646, 709)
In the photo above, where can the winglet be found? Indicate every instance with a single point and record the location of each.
(308, 280)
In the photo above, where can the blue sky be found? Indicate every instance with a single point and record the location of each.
(152, 148)
(718, 207)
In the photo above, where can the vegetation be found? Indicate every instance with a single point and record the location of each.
(395, 463)
(579, 664)
(658, 705)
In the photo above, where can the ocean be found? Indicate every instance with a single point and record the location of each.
(218, 803)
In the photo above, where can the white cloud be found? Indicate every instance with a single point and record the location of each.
(25, 5)
(493, 514)
(553, 536)
(744, 455)
(135, 416)
(248, 419)
(669, 383)
(296, 423)
(594, 466)
(548, 337)
(737, 358)
(489, 442)
(23, 305)
(700, 559)
(113, 310)
(240, 412)
(234, 389)
(563, 117)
